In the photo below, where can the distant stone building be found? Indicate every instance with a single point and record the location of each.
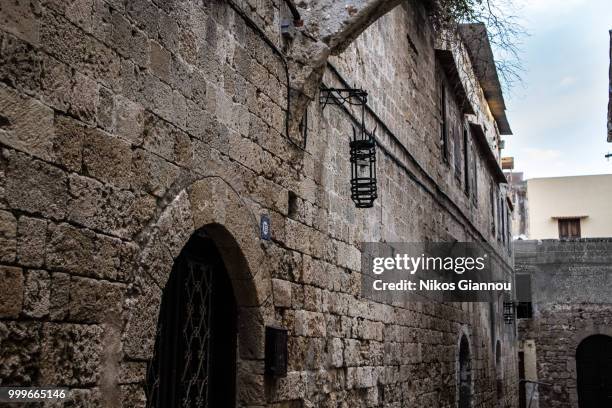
(174, 195)
(565, 322)
(518, 195)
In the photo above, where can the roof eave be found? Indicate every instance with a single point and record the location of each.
(485, 150)
(477, 43)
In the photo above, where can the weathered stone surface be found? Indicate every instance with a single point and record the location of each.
(35, 186)
(68, 143)
(131, 125)
(11, 291)
(28, 124)
(59, 296)
(139, 335)
(129, 117)
(570, 303)
(71, 354)
(282, 293)
(8, 236)
(152, 173)
(37, 294)
(94, 301)
(19, 352)
(107, 158)
(21, 19)
(31, 241)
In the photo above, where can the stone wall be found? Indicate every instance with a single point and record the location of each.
(127, 126)
(571, 301)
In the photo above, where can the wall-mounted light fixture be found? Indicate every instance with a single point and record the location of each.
(362, 146)
(509, 312)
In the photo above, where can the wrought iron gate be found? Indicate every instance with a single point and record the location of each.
(194, 358)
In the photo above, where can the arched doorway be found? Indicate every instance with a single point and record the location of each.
(594, 370)
(194, 361)
(465, 374)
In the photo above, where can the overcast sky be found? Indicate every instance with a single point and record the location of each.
(558, 116)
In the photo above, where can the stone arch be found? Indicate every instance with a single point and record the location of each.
(212, 207)
(465, 378)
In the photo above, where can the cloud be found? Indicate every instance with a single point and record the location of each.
(542, 154)
(550, 6)
(567, 81)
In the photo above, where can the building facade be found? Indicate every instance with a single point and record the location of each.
(569, 207)
(162, 211)
(564, 324)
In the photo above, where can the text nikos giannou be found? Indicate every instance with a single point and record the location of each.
(411, 265)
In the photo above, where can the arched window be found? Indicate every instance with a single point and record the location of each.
(465, 374)
(594, 370)
(194, 362)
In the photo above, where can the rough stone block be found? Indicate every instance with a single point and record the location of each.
(282, 293)
(59, 296)
(152, 173)
(84, 98)
(20, 64)
(141, 327)
(68, 142)
(71, 354)
(31, 241)
(129, 117)
(20, 18)
(95, 301)
(11, 291)
(26, 125)
(35, 186)
(132, 372)
(70, 249)
(129, 41)
(56, 83)
(37, 295)
(160, 61)
(310, 324)
(107, 158)
(8, 237)
(19, 352)
(252, 346)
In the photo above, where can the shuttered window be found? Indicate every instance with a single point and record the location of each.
(569, 228)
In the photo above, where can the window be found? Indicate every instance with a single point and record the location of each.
(443, 121)
(569, 228)
(466, 161)
(457, 144)
(524, 308)
(493, 200)
(502, 216)
(474, 177)
(498, 216)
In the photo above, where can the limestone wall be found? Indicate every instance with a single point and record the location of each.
(127, 126)
(571, 301)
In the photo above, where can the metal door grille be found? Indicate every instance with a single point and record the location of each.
(178, 375)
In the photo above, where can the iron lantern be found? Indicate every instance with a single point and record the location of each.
(509, 309)
(363, 169)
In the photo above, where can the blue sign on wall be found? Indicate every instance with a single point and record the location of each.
(264, 227)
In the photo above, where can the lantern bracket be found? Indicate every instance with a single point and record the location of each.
(342, 96)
